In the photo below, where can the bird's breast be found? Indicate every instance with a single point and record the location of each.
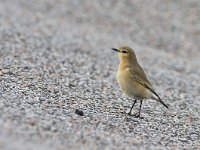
(129, 86)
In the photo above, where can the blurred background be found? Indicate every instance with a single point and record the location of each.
(171, 26)
(55, 57)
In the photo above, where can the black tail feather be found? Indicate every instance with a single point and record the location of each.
(159, 99)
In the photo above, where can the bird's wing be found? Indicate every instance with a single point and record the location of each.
(139, 76)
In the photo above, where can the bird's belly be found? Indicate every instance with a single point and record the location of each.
(130, 87)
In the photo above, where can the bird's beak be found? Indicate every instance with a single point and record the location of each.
(115, 49)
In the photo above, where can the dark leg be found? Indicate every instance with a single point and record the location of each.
(132, 107)
(140, 108)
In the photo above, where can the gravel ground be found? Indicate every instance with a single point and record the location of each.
(55, 57)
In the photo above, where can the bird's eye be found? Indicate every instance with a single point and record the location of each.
(124, 51)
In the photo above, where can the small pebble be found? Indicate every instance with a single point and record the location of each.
(79, 112)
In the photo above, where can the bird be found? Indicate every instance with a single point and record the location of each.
(133, 80)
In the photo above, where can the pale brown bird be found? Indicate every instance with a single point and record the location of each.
(132, 79)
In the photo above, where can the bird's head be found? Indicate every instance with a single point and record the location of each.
(126, 53)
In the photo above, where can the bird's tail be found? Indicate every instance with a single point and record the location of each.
(159, 100)
(158, 97)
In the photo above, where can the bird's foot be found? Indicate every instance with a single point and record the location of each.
(138, 116)
(129, 114)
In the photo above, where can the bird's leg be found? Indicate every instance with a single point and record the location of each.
(132, 107)
(138, 116)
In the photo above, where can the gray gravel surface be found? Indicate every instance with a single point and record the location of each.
(55, 57)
